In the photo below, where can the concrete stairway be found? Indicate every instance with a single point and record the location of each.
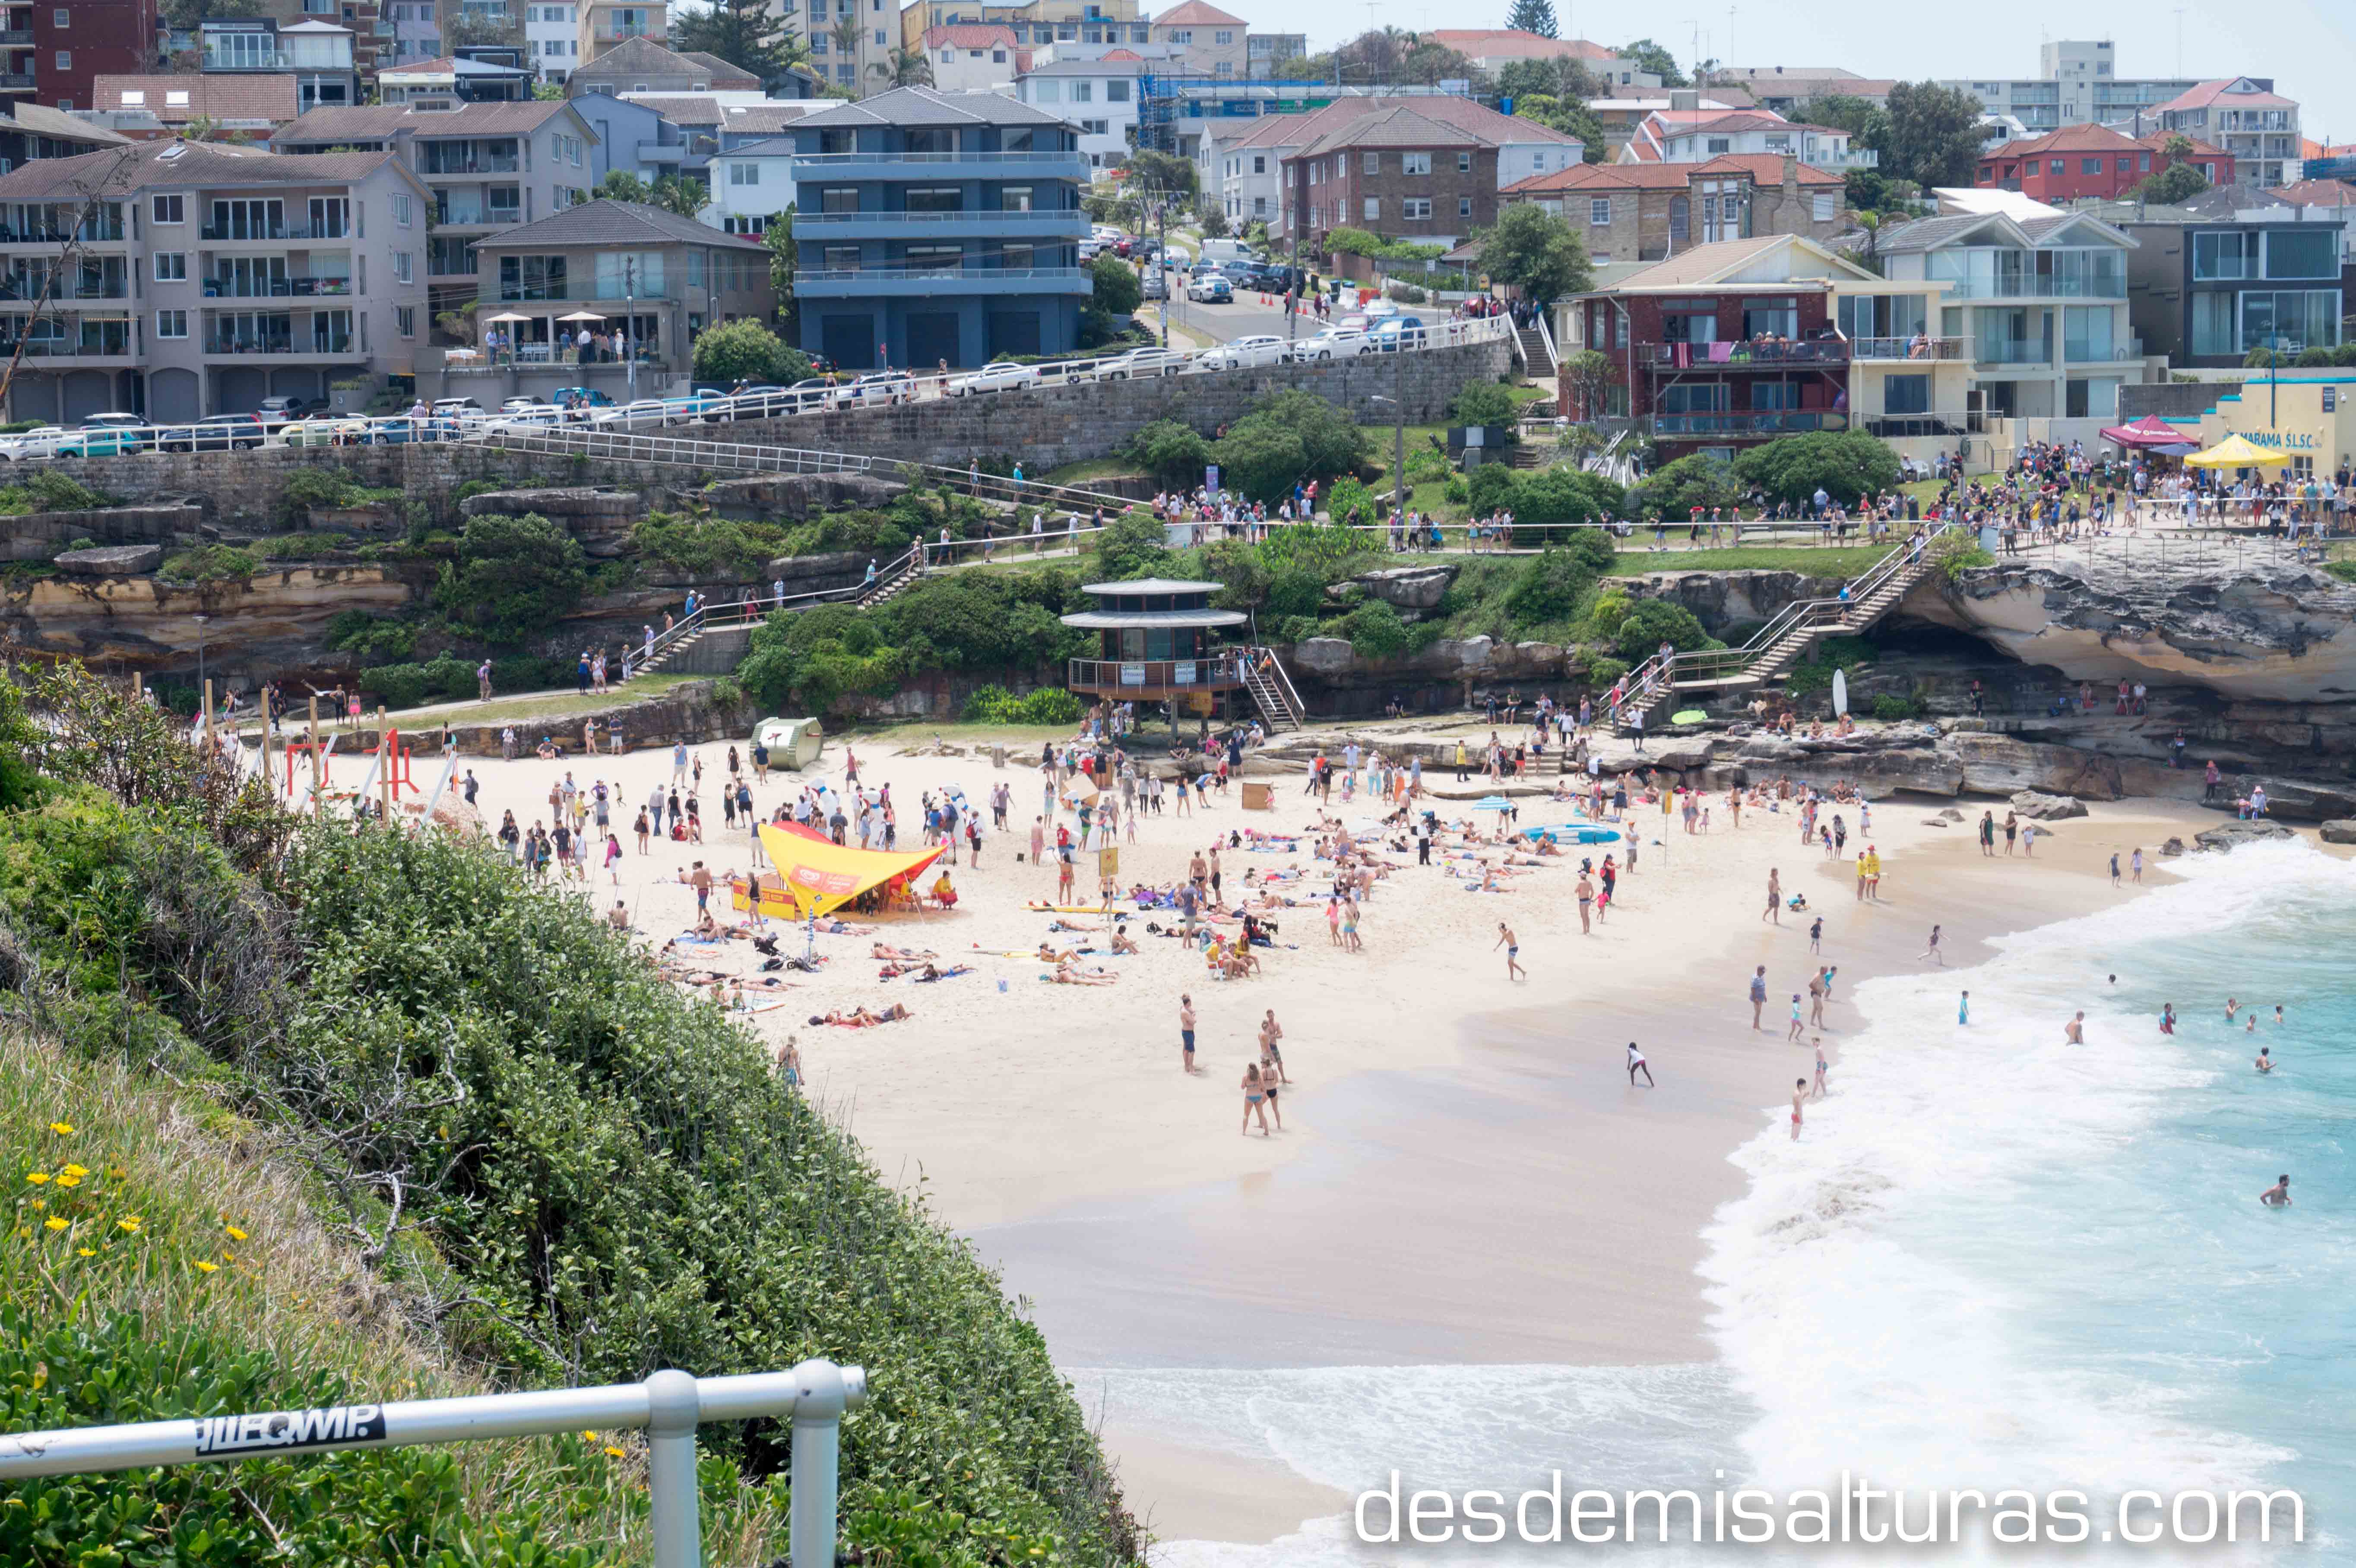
(1271, 690)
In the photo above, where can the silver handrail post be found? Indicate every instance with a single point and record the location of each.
(822, 1392)
(672, 1408)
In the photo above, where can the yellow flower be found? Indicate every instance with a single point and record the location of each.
(37, 1205)
(588, 1437)
(76, 1170)
(128, 1223)
(234, 1234)
(229, 1257)
(69, 1180)
(54, 1223)
(613, 1451)
(36, 1176)
(86, 1252)
(207, 1267)
(118, 1173)
(63, 1130)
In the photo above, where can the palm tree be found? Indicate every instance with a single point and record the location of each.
(846, 35)
(904, 67)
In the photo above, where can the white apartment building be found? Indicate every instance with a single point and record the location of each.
(552, 40)
(2246, 117)
(1697, 135)
(1098, 96)
(750, 185)
(2077, 83)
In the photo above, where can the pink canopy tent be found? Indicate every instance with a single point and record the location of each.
(2151, 430)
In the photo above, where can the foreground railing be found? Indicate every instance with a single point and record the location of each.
(668, 1405)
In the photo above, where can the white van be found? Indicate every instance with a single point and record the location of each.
(1225, 251)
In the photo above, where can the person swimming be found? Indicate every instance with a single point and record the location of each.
(2265, 1062)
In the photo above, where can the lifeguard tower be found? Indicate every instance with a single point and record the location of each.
(1160, 640)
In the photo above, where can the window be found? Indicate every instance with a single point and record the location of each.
(1222, 37)
(401, 272)
(168, 209)
(1598, 209)
(2219, 256)
(171, 266)
(171, 324)
(1906, 395)
(1114, 91)
(1372, 162)
(1182, 35)
(61, 18)
(1084, 91)
(2057, 166)
(2312, 253)
(1463, 163)
(1823, 206)
(1415, 162)
(1260, 207)
(998, 57)
(400, 208)
(1416, 207)
(1049, 90)
(2090, 166)
(132, 98)
(1373, 209)
(1720, 144)
(744, 174)
(1095, 127)
(1464, 207)
(404, 320)
(2126, 166)
(2142, 163)
(65, 60)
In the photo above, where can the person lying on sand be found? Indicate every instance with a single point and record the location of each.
(885, 950)
(931, 972)
(1072, 926)
(1047, 954)
(1072, 975)
(860, 1018)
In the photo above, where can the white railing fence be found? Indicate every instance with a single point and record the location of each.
(668, 1405)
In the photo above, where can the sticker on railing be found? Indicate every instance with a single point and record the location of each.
(333, 1426)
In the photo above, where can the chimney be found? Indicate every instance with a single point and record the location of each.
(1683, 98)
(1790, 182)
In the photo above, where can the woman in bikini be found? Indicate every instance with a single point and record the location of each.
(1255, 1102)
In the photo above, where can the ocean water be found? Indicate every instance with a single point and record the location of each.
(1992, 1260)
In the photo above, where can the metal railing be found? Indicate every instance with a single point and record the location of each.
(976, 218)
(262, 233)
(217, 288)
(889, 274)
(668, 1405)
(1777, 421)
(823, 161)
(339, 344)
(1906, 347)
(1742, 352)
(1207, 674)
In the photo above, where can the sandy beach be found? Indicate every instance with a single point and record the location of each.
(1465, 1174)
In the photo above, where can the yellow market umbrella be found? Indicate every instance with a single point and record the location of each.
(2234, 452)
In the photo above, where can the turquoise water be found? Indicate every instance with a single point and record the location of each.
(1994, 1260)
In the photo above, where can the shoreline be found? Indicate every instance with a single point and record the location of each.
(1467, 1178)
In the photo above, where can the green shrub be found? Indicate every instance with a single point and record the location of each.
(1846, 465)
(1602, 670)
(1484, 403)
(1424, 464)
(1891, 706)
(1049, 705)
(1294, 591)
(1375, 631)
(1173, 453)
(302, 546)
(1673, 491)
(1494, 487)
(1609, 613)
(1957, 552)
(1550, 588)
(514, 578)
(1348, 503)
(1131, 547)
(1652, 621)
(209, 563)
(707, 547)
(47, 490)
(1456, 492)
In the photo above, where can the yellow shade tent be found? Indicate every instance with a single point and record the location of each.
(822, 875)
(2234, 452)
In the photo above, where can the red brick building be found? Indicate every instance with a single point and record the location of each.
(2092, 161)
(73, 45)
(1397, 174)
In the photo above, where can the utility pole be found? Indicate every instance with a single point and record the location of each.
(629, 327)
(1398, 441)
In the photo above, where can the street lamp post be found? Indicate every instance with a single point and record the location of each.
(629, 327)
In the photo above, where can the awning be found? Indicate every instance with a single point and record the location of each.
(2234, 452)
(820, 875)
(2148, 432)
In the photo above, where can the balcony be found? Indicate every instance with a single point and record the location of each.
(110, 350)
(1777, 421)
(903, 167)
(1734, 355)
(2012, 351)
(336, 346)
(27, 291)
(276, 288)
(469, 215)
(88, 234)
(17, 38)
(263, 233)
(863, 282)
(2031, 288)
(1067, 224)
(15, 82)
(2076, 351)
(1907, 347)
(1152, 679)
(462, 168)
(251, 59)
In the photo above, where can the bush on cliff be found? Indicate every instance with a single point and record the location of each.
(515, 577)
(594, 1176)
(1846, 465)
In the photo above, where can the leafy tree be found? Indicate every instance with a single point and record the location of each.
(1484, 403)
(1647, 55)
(748, 34)
(1163, 171)
(784, 254)
(1570, 116)
(1560, 78)
(1549, 587)
(620, 184)
(1562, 494)
(1933, 137)
(1846, 465)
(1333, 446)
(1867, 190)
(746, 351)
(1587, 373)
(1862, 118)
(1173, 451)
(904, 67)
(1673, 491)
(1537, 251)
(1262, 458)
(1491, 487)
(1117, 291)
(1532, 16)
(1131, 547)
(2176, 183)
(678, 193)
(1294, 589)
(514, 577)
(1652, 621)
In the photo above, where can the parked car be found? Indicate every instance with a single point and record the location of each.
(994, 377)
(526, 415)
(1394, 333)
(689, 407)
(1154, 284)
(1243, 352)
(39, 441)
(1211, 288)
(216, 432)
(646, 411)
(106, 435)
(328, 429)
(581, 398)
(881, 387)
(457, 409)
(759, 403)
(1142, 362)
(813, 392)
(277, 411)
(1333, 343)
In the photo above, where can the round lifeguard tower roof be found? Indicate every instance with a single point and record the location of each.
(1148, 585)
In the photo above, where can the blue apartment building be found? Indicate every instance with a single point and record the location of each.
(938, 225)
